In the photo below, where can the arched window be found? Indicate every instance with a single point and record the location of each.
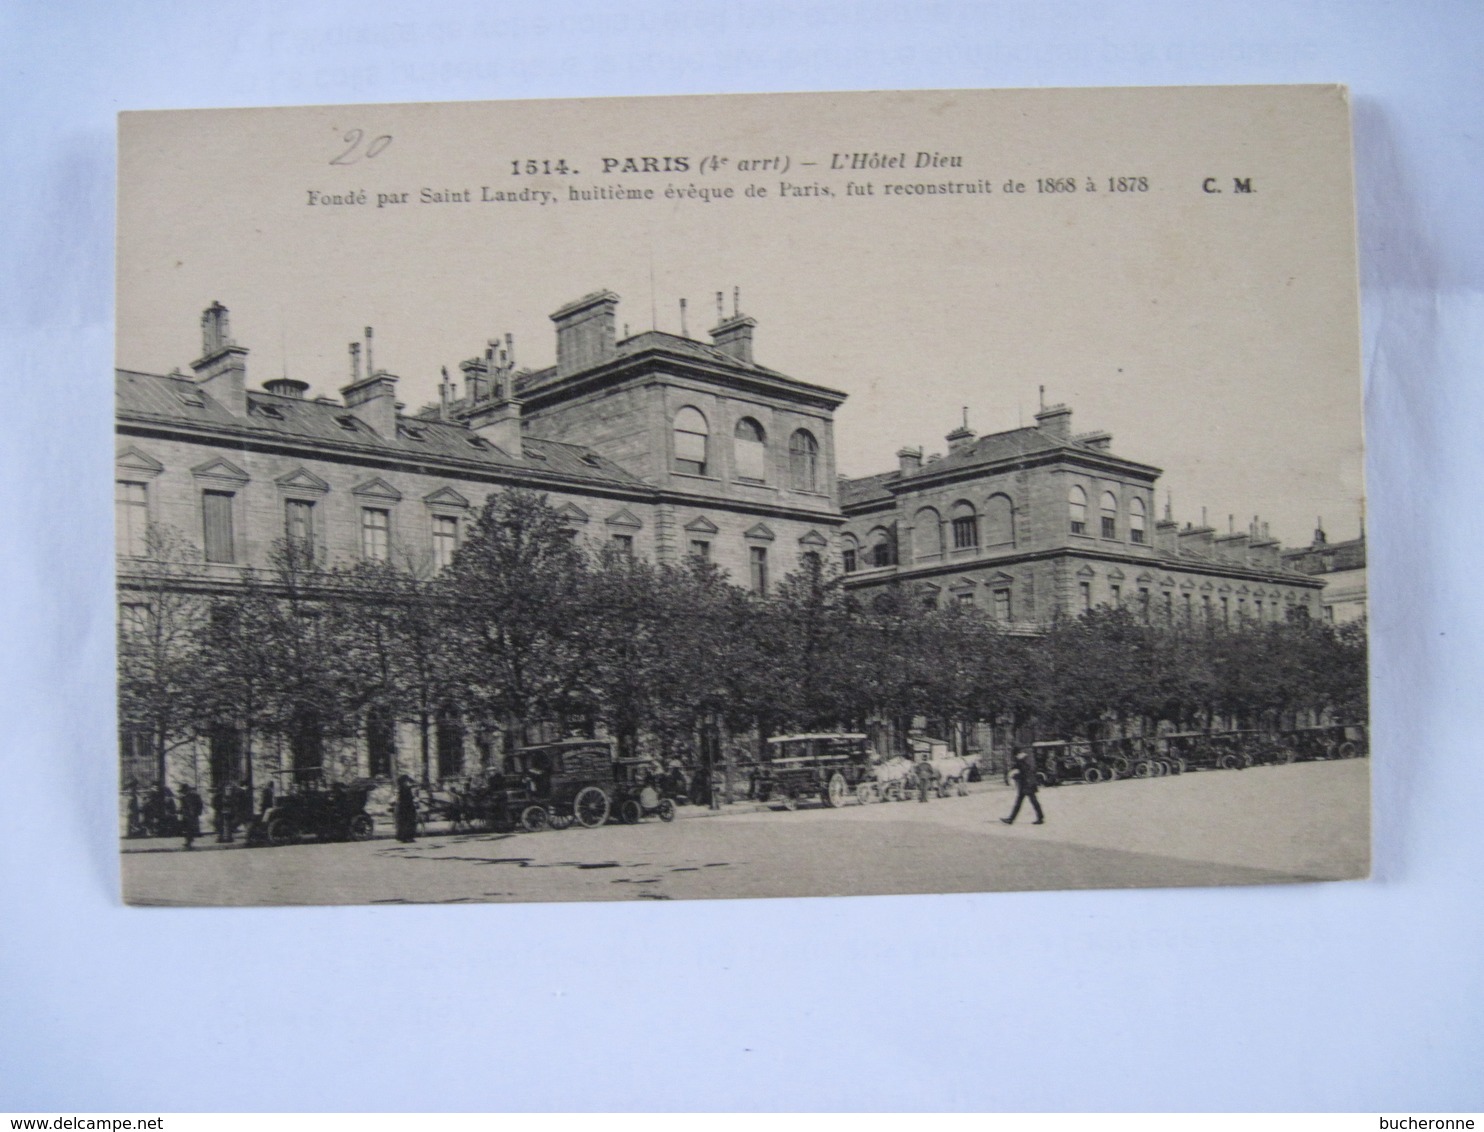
(927, 533)
(1077, 505)
(999, 521)
(1136, 519)
(803, 461)
(751, 448)
(883, 547)
(1109, 525)
(691, 435)
(849, 554)
(965, 526)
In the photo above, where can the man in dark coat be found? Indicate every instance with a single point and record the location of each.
(191, 808)
(927, 779)
(405, 810)
(1025, 787)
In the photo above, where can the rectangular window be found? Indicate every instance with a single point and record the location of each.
(1144, 602)
(1169, 607)
(1115, 595)
(847, 557)
(1002, 605)
(216, 522)
(965, 532)
(1079, 527)
(758, 558)
(1136, 534)
(445, 539)
(298, 521)
(624, 544)
(1085, 591)
(966, 597)
(1259, 609)
(1189, 609)
(376, 525)
(131, 519)
(1110, 527)
(700, 550)
(1226, 611)
(1206, 607)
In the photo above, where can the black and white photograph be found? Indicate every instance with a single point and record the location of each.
(740, 496)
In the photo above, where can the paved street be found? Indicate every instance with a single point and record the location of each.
(1294, 823)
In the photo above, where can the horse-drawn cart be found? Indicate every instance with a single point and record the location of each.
(830, 766)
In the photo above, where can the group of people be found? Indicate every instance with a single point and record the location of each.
(161, 812)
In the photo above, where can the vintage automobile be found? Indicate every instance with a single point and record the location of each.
(640, 790)
(1330, 741)
(334, 812)
(826, 765)
(553, 784)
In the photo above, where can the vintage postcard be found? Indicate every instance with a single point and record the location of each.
(739, 496)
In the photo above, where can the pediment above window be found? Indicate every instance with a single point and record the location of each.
(702, 526)
(221, 469)
(963, 584)
(571, 513)
(138, 464)
(302, 479)
(623, 517)
(1242, 589)
(1166, 581)
(1115, 575)
(813, 539)
(1000, 578)
(1187, 584)
(377, 488)
(1144, 576)
(761, 532)
(1086, 572)
(446, 497)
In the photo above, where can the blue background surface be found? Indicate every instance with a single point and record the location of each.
(1363, 995)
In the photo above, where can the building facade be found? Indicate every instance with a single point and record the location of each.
(1341, 567)
(1037, 523)
(663, 447)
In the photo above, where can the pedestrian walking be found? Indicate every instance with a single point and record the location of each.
(191, 808)
(405, 810)
(1024, 774)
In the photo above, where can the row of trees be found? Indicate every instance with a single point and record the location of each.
(526, 629)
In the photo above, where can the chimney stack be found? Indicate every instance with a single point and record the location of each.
(1055, 421)
(371, 399)
(909, 460)
(585, 332)
(221, 370)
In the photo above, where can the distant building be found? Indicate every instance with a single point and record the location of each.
(1341, 567)
(1037, 523)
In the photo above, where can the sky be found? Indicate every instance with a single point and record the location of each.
(1213, 332)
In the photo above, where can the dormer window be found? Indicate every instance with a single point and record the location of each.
(270, 411)
(591, 460)
(413, 432)
(477, 442)
(347, 422)
(191, 397)
(533, 454)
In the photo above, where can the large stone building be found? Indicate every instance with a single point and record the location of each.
(1341, 567)
(1037, 523)
(665, 447)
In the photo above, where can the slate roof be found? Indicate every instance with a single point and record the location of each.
(657, 340)
(990, 449)
(1326, 558)
(179, 400)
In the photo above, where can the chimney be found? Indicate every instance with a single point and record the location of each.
(499, 422)
(1166, 535)
(1232, 548)
(585, 334)
(961, 437)
(1319, 536)
(1102, 441)
(221, 370)
(445, 396)
(476, 380)
(909, 460)
(1201, 539)
(733, 336)
(373, 400)
(287, 387)
(1055, 421)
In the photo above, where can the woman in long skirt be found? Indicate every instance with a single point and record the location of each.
(406, 810)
